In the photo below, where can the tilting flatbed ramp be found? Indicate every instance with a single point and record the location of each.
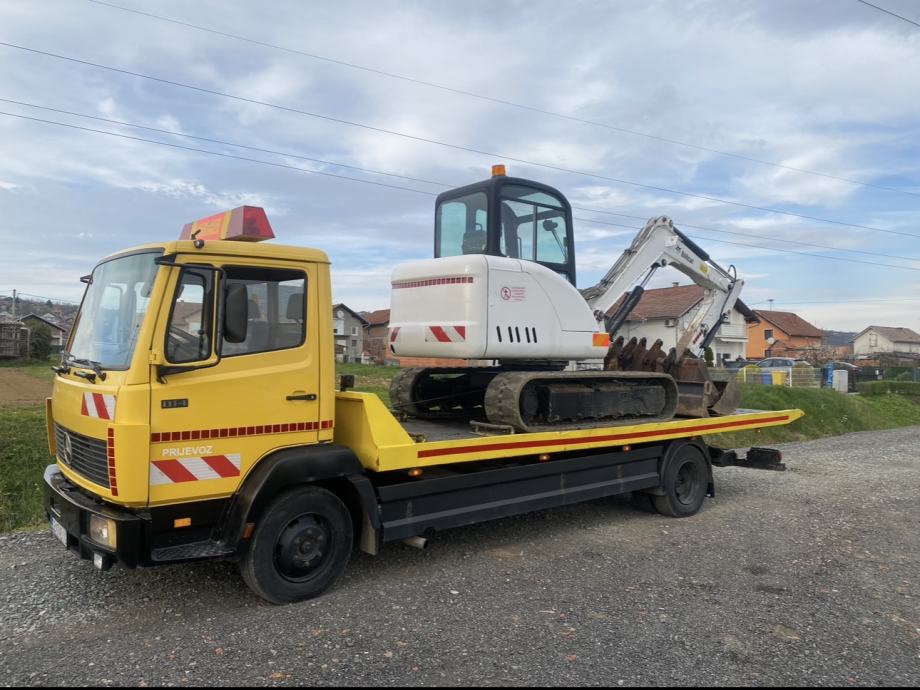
(364, 424)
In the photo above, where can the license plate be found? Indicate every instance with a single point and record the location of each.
(58, 530)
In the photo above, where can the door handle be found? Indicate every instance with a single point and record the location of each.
(302, 396)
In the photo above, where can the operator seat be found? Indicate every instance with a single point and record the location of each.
(474, 242)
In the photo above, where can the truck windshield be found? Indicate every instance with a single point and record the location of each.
(113, 310)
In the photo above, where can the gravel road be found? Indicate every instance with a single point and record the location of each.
(811, 576)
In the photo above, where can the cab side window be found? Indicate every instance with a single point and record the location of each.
(191, 320)
(277, 309)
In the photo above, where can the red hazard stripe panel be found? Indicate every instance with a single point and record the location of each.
(394, 333)
(516, 445)
(453, 280)
(222, 465)
(439, 333)
(238, 431)
(175, 470)
(101, 410)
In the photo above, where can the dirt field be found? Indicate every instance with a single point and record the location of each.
(20, 388)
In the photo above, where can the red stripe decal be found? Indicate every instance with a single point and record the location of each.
(594, 439)
(394, 333)
(168, 436)
(175, 471)
(461, 330)
(100, 406)
(439, 333)
(221, 465)
(432, 281)
(83, 409)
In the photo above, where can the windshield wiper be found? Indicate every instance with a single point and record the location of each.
(92, 364)
(64, 368)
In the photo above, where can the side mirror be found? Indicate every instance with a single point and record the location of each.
(236, 313)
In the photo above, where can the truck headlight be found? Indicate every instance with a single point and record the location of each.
(102, 531)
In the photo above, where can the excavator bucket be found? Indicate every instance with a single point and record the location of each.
(701, 393)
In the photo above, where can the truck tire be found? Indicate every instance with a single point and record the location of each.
(685, 483)
(301, 545)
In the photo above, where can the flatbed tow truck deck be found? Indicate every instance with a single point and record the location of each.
(383, 443)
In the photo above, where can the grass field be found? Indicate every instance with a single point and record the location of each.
(24, 449)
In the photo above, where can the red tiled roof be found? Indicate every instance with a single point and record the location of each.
(671, 303)
(791, 324)
(377, 318)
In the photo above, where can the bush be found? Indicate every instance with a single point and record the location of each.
(885, 387)
(40, 342)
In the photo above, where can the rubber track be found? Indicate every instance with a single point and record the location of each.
(503, 395)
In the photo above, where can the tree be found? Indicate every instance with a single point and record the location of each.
(40, 342)
(708, 356)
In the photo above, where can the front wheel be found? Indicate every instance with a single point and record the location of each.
(685, 483)
(300, 546)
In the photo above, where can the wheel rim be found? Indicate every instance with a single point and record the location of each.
(303, 547)
(686, 487)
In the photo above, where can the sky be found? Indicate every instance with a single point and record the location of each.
(585, 92)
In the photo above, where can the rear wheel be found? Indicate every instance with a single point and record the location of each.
(300, 546)
(685, 483)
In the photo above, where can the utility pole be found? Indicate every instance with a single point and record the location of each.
(771, 304)
(14, 306)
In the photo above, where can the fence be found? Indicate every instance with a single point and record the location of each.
(14, 339)
(795, 377)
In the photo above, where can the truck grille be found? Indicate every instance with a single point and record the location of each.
(88, 456)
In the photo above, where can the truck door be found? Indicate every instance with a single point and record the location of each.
(211, 422)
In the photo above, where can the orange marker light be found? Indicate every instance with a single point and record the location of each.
(182, 522)
(247, 223)
(417, 472)
(498, 170)
(543, 457)
(601, 339)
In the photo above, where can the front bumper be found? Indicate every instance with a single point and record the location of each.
(71, 508)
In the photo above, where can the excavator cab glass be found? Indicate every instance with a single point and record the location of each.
(506, 216)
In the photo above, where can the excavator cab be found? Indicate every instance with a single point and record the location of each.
(510, 217)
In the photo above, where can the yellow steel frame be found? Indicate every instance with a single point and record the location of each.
(364, 424)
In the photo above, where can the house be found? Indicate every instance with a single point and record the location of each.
(876, 339)
(348, 329)
(376, 335)
(665, 314)
(782, 333)
(58, 332)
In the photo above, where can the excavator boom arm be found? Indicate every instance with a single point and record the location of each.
(660, 244)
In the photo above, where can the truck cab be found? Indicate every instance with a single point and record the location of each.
(189, 362)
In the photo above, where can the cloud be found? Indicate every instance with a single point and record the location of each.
(818, 87)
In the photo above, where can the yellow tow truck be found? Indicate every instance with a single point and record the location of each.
(196, 415)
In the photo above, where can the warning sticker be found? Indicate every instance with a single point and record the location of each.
(513, 294)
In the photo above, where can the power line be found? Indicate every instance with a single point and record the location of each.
(491, 154)
(747, 234)
(880, 9)
(839, 301)
(216, 153)
(43, 298)
(407, 189)
(432, 182)
(501, 101)
(173, 132)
